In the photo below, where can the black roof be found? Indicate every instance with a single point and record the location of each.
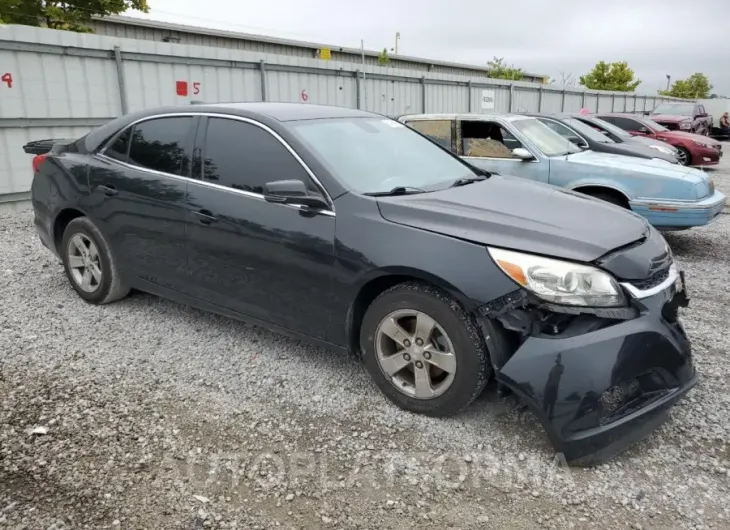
(287, 111)
(276, 112)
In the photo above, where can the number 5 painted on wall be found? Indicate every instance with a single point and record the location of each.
(196, 88)
(7, 78)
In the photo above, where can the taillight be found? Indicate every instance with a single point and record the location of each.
(37, 161)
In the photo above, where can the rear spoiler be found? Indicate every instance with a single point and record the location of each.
(41, 147)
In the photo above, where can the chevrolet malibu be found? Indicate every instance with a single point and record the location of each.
(354, 232)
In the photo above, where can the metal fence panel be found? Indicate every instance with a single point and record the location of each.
(16, 173)
(605, 103)
(573, 102)
(446, 98)
(525, 100)
(552, 101)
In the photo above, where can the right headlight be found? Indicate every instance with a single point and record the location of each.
(560, 282)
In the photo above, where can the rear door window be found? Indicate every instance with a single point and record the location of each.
(487, 139)
(163, 144)
(245, 157)
(119, 148)
(437, 130)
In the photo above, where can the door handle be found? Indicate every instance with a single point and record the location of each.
(109, 191)
(206, 217)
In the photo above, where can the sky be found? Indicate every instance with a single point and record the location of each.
(559, 38)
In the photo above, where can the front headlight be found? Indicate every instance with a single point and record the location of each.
(560, 282)
(685, 125)
(702, 144)
(662, 149)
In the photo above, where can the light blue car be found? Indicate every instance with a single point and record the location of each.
(670, 196)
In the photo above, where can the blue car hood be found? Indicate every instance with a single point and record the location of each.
(638, 165)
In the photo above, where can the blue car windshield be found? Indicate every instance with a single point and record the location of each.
(375, 155)
(544, 138)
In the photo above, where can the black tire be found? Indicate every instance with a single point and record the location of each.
(472, 359)
(608, 197)
(684, 157)
(111, 287)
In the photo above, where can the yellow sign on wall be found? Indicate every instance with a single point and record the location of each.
(325, 54)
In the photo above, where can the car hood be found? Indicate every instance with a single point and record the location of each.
(670, 118)
(688, 136)
(518, 214)
(651, 141)
(632, 164)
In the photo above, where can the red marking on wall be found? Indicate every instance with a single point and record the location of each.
(7, 78)
(304, 95)
(181, 88)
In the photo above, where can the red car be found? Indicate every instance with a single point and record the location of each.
(694, 149)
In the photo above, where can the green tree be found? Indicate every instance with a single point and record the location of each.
(64, 14)
(696, 86)
(499, 70)
(617, 77)
(383, 58)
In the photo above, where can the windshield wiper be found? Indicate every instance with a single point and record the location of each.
(398, 190)
(463, 181)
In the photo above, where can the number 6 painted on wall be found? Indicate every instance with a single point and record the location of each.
(7, 78)
(304, 95)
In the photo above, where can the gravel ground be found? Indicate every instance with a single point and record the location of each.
(148, 414)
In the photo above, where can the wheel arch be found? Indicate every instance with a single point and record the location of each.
(589, 189)
(61, 221)
(381, 280)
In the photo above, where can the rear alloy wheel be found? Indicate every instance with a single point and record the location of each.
(89, 263)
(423, 351)
(683, 156)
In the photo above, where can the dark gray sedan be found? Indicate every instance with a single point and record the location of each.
(581, 131)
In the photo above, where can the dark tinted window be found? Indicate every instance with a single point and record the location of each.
(245, 157)
(120, 147)
(626, 124)
(162, 144)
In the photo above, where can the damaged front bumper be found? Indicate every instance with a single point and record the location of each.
(601, 383)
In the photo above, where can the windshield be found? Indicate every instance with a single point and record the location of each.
(610, 127)
(375, 155)
(654, 125)
(676, 109)
(587, 131)
(544, 138)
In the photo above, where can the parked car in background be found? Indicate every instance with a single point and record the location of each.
(354, 232)
(678, 116)
(693, 149)
(620, 136)
(670, 196)
(587, 137)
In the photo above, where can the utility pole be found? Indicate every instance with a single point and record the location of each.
(669, 78)
(397, 38)
(364, 87)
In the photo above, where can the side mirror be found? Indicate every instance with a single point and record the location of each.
(578, 142)
(643, 130)
(292, 192)
(647, 113)
(522, 154)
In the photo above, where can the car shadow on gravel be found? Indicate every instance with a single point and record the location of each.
(694, 244)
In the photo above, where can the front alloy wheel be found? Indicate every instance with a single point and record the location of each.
(683, 156)
(84, 263)
(423, 350)
(415, 353)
